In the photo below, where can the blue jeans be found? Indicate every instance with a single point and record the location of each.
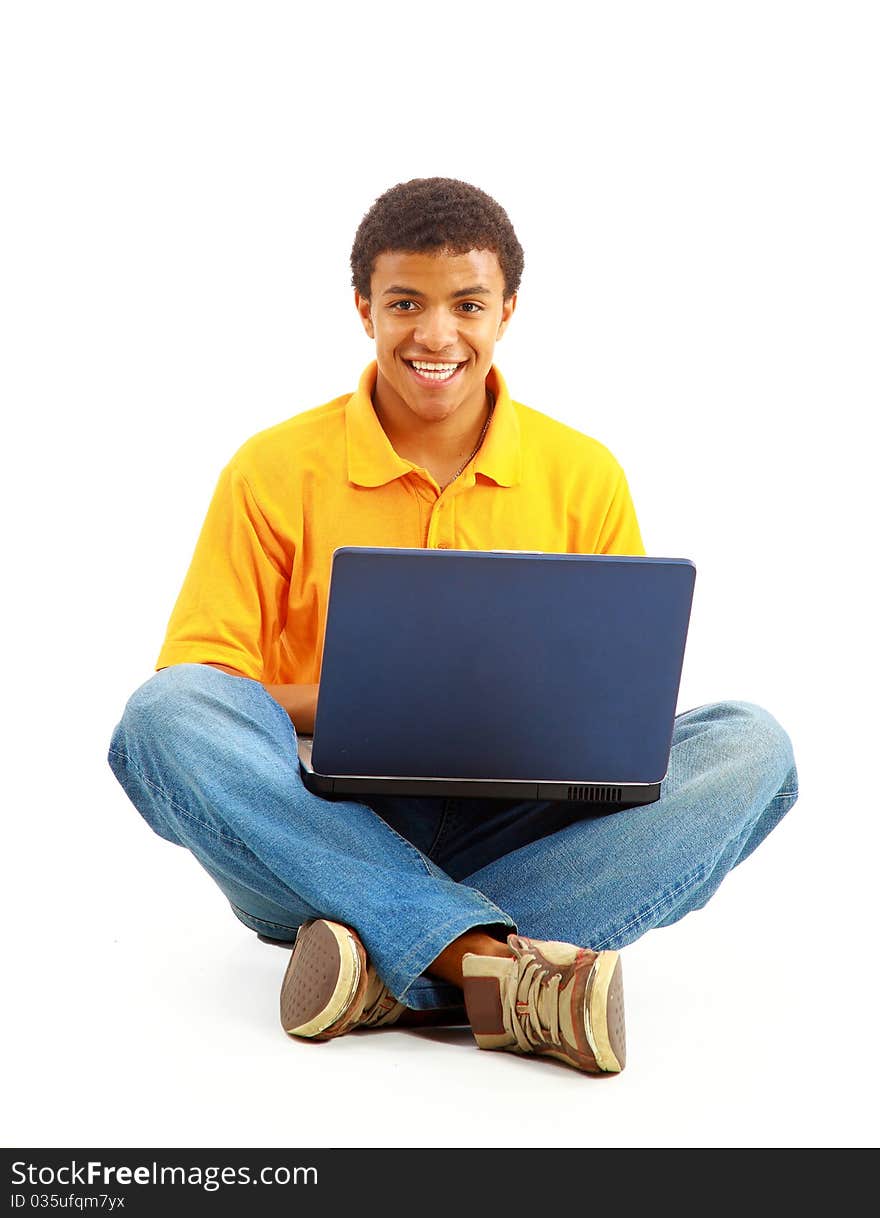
(210, 762)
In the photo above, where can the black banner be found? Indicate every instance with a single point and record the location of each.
(260, 1182)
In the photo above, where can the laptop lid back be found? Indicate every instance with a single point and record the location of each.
(501, 665)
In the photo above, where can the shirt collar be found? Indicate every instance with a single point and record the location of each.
(373, 462)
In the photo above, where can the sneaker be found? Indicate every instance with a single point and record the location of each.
(330, 986)
(550, 999)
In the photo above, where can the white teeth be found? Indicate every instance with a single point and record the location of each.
(434, 372)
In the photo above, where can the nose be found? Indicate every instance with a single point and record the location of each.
(435, 330)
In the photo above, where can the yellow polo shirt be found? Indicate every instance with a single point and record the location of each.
(255, 595)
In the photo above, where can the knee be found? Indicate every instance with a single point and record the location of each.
(165, 701)
(752, 733)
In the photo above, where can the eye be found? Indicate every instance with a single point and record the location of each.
(471, 306)
(396, 305)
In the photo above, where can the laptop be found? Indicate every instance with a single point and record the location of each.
(499, 674)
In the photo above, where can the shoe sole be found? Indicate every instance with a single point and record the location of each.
(604, 1014)
(327, 968)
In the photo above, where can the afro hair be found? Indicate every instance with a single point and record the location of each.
(434, 214)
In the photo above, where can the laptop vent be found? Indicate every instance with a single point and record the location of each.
(596, 795)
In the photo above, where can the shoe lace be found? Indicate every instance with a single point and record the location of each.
(530, 1006)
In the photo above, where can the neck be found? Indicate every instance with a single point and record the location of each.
(431, 443)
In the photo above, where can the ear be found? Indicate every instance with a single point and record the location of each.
(363, 307)
(507, 309)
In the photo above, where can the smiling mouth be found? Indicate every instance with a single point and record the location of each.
(437, 371)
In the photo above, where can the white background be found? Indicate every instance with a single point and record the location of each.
(696, 189)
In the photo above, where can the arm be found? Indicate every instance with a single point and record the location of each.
(300, 701)
(234, 596)
(234, 599)
(620, 532)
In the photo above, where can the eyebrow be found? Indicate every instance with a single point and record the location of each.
(398, 289)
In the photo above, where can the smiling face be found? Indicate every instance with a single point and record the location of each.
(435, 318)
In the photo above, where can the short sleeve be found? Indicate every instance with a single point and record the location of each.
(620, 533)
(232, 606)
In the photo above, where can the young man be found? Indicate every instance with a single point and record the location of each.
(509, 915)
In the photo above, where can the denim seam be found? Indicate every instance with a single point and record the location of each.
(262, 921)
(677, 890)
(440, 835)
(426, 863)
(174, 804)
